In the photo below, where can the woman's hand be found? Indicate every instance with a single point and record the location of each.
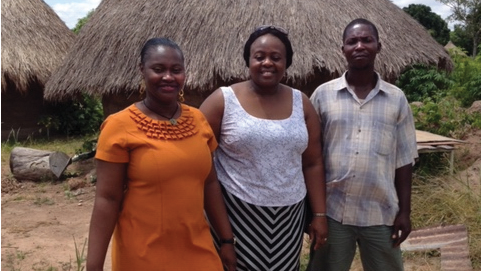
(318, 231)
(228, 257)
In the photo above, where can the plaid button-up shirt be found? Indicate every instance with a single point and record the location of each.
(364, 142)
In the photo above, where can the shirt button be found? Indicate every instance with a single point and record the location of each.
(357, 152)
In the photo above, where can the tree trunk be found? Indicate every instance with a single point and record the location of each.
(37, 165)
(475, 43)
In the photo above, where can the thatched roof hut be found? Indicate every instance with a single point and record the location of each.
(451, 47)
(212, 34)
(34, 42)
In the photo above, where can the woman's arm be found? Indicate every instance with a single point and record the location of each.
(108, 197)
(313, 169)
(216, 212)
(213, 110)
(214, 205)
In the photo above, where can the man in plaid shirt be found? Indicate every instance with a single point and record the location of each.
(369, 146)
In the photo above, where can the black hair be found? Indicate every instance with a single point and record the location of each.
(275, 32)
(364, 22)
(154, 42)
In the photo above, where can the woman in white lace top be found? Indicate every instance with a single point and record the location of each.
(269, 157)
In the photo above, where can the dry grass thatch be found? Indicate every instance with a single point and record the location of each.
(34, 42)
(212, 34)
(450, 47)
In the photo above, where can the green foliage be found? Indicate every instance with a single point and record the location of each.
(475, 120)
(81, 22)
(12, 138)
(80, 255)
(43, 201)
(420, 82)
(49, 122)
(89, 145)
(461, 38)
(73, 118)
(443, 117)
(468, 13)
(467, 78)
(436, 26)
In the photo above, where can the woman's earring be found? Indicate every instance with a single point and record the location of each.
(181, 96)
(142, 88)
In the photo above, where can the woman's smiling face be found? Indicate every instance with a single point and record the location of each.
(163, 72)
(267, 63)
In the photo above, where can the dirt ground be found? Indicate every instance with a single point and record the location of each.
(42, 223)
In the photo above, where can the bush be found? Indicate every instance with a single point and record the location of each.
(443, 117)
(420, 82)
(75, 118)
(467, 78)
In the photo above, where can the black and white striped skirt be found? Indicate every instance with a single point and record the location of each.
(268, 238)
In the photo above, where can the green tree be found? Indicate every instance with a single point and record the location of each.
(82, 21)
(468, 13)
(437, 27)
(467, 78)
(460, 37)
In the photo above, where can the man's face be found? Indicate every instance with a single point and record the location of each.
(360, 47)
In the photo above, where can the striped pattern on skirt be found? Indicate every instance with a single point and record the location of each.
(268, 238)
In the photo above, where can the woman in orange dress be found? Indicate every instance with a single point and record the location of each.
(153, 159)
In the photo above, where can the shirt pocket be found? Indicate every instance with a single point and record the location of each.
(384, 138)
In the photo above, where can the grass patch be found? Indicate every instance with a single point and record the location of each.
(447, 200)
(10, 262)
(43, 201)
(21, 255)
(65, 145)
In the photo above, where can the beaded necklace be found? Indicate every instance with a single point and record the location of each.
(171, 118)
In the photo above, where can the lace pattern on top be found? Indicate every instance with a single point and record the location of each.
(260, 160)
(163, 129)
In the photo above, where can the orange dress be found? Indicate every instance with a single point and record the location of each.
(161, 224)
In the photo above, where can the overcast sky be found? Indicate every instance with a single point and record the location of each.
(72, 10)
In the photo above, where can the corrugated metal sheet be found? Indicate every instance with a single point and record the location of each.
(452, 241)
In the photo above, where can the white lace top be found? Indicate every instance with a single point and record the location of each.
(260, 160)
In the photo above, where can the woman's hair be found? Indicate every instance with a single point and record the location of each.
(275, 31)
(155, 42)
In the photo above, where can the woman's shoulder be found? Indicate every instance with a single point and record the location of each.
(127, 119)
(191, 110)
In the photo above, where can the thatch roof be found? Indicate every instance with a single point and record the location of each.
(451, 47)
(34, 42)
(212, 34)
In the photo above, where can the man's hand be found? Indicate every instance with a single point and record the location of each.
(401, 228)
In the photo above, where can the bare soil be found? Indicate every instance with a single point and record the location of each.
(43, 223)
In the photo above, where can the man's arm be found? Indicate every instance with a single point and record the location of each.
(402, 223)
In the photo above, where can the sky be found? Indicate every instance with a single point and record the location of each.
(72, 10)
